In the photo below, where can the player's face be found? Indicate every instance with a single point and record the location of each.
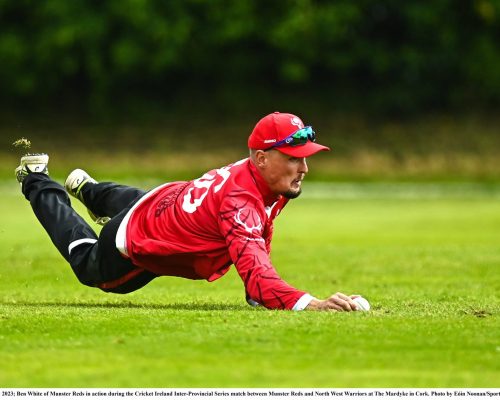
(284, 173)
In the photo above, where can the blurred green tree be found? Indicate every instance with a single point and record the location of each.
(386, 55)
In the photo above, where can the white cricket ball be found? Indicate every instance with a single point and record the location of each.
(361, 302)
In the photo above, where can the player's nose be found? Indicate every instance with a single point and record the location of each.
(303, 169)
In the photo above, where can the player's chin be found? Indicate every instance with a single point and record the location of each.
(292, 193)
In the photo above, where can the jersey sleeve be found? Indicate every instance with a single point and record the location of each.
(243, 222)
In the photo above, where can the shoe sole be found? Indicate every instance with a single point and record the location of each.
(73, 185)
(74, 182)
(32, 163)
(35, 159)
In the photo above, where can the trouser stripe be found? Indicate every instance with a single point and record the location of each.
(120, 281)
(78, 242)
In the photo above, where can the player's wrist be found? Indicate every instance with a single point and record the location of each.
(303, 302)
(314, 304)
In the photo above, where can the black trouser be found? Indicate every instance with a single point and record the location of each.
(95, 261)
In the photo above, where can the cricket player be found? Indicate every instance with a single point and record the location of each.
(194, 229)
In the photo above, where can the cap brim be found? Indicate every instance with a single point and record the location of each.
(305, 150)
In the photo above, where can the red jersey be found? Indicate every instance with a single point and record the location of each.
(198, 229)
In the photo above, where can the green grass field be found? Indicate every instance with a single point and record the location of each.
(426, 256)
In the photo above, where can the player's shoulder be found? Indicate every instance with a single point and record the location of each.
(238, 167)
(240, 180)
(240, 188)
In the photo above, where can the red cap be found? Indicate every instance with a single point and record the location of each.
(277, 126)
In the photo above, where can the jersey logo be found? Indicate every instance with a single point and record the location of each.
(249, 219)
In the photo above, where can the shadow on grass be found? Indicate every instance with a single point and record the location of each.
(173, 306)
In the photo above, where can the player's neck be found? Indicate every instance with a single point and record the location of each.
(269, 197)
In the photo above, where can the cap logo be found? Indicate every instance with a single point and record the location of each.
(297, 122)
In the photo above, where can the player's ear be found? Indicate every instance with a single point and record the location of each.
(261, 158)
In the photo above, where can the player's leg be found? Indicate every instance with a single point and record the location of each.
(71, 235)
(103, 200)
(95, 262)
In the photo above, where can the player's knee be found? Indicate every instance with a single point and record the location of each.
(83, 262)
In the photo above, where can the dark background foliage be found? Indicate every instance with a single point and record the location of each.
(389, 57)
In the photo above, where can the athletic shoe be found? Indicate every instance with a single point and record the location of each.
(75, 181)
(32, 163)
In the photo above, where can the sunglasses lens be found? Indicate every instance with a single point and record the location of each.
(302, 136)
(297, 138)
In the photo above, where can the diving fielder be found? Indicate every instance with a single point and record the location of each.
(194, 229)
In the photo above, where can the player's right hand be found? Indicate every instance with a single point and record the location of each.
(336, 302)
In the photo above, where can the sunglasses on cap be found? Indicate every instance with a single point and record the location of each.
(297, 138)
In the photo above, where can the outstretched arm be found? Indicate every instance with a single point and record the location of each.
(243, 223)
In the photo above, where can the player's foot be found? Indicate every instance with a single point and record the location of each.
(32, 163)
(75, 181)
